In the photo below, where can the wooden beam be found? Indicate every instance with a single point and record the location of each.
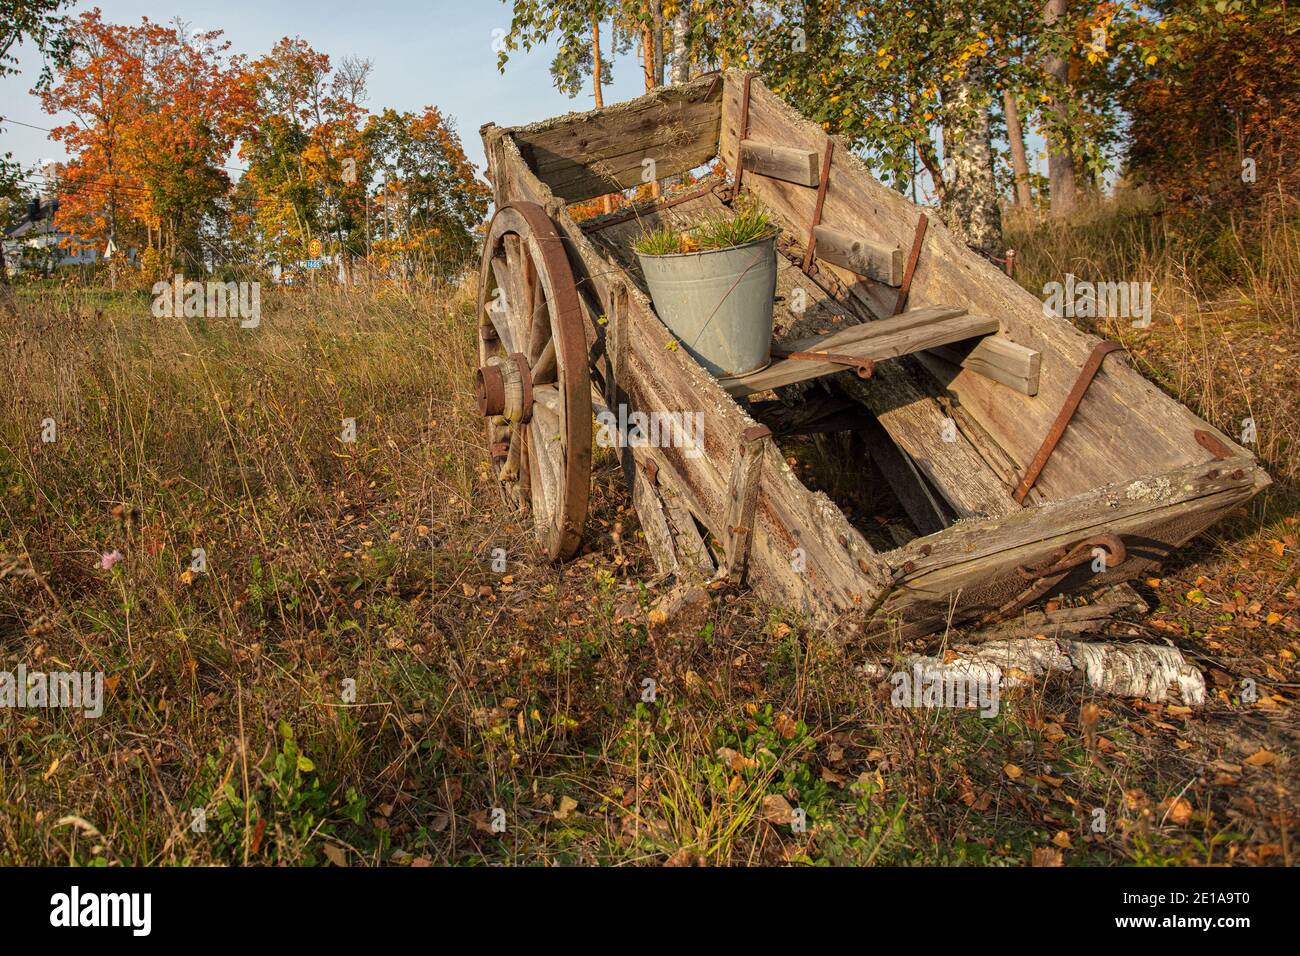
(907, 408)
(860, 256)
(1000, 359)
(883, 344)
(798, 166)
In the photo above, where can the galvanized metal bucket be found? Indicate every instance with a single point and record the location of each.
(718, 302)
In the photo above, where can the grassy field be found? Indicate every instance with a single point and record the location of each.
(351, 682)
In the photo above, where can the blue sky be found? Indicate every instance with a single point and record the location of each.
(434, 52)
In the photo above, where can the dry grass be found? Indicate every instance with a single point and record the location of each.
(371, 562)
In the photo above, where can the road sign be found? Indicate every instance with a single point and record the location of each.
(314, 248)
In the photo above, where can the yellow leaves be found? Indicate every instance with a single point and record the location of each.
(1176, 810)
(1012, 771)
(786, 726)
(566, 808)
(1196, 596)
(1150, 60)
(1261, 758)
(1272, 618)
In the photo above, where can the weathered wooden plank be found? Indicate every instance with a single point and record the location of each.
(918, 425)
(798, 166)
(583, 155)
(861, 256)
(742, 502)
(888, 344)
(1002, 360)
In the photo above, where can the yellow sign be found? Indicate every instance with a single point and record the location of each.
(314, 247)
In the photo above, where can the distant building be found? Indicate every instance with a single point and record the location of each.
(36, 243)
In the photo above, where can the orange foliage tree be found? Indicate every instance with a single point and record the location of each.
(151, 131)
(299, 126)
(1216, 127)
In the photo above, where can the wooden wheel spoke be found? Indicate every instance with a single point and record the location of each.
(498, 308)
(544, 368)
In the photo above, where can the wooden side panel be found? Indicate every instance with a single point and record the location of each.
(970, 567)
(582, 155)
(1125, 427)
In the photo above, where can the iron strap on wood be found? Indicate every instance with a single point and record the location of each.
(1086, 375)
(811, 245)
(744, 132)
(917, 240)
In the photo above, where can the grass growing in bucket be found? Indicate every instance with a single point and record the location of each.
(720, 231)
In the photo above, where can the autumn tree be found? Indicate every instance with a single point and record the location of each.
(149, 136)
(1216, 118)
(299, 124)
(431, 196)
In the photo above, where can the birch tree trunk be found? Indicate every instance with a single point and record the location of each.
(1016, 139)
(970, 196)
(681, 51)
(1060, 153)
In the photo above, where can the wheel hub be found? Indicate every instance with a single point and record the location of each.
(504, 387)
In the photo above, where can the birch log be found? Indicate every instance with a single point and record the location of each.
(1149, 671)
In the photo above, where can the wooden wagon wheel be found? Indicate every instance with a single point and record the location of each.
(533, 384)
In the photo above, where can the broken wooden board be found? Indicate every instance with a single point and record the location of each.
(874, 341)
(908, 410)
(997, 358)
(799, 166)
(905, 480)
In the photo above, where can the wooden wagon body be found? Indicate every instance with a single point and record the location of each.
(973, 386)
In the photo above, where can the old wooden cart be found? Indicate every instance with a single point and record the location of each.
(1024, 462)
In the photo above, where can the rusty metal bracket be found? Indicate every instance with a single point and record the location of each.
(864, 367)
(811, 246)
(744, 131)
(1060, 563)
(1211, 443)
(1086, 375)
(912, 258)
